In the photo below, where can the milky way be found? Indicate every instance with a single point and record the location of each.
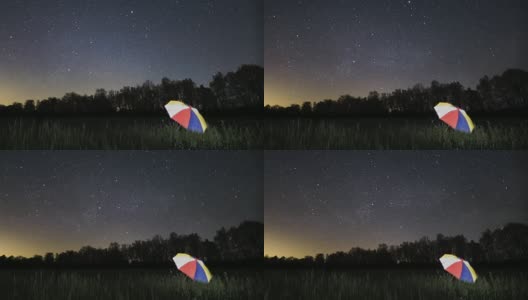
(316, 50)
(334, 200)
(57, 200)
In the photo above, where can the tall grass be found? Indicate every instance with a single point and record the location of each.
(260, 284)
(299, 134)
(124, 133)
(125, 284)
(507, 134)
(392, 284)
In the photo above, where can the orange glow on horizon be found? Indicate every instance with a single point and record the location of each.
(277, 244)
(13, 244)
(278, 92)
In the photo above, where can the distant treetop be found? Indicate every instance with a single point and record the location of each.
(242, 89)
(502, 93)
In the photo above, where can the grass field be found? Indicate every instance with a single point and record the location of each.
(393, 284)
(126, 284)
(125, 133)
(263, 284)
(395, 133)
(247, 133)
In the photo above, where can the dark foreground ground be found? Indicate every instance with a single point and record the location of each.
(126, 133)
(393, 284)
(393, 133)
(254, 132)
(127, 284)
(260, 284)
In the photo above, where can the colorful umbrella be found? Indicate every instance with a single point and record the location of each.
(187, 116)
(192, 267)
(458, 267)
(454, 117)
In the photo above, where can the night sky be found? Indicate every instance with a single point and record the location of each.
(321, 49)
(59, 200)
(322, 202)
(48, 48)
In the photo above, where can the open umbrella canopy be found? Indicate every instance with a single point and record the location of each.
(458, 267)
(454, 117)
(192, 267)
(187, 116)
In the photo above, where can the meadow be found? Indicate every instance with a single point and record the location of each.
(393, 133)
(151, 133)
(125, 133)
(393, 284)
(126, 284)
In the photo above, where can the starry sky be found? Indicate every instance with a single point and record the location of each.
(62, 200)
(48, 48)
(322, 202)
(321, 49)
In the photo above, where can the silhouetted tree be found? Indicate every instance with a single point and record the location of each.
(218, 87)
(29, 106)
(505, 92)
(239, 90)
(306, 108)
(319, 259)
(506, 244)
(244, 243)
(49, 259)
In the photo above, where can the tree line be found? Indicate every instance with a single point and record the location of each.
(506, 245)
(240, 245)
(507, 93)
(242, 90)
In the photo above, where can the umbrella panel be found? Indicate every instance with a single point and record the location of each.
(451, 118)
(200, 274)
(189, 269)
(183, 117)
(455, 269)
(466, 275)
(194, 123)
